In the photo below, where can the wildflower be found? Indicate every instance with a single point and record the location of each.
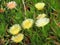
(11, 5)
(42, 22)
(40, 6)
(41, 16)
(27, 23)
(18, 38)
(15, 29)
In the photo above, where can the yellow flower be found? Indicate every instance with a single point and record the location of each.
(11, 4)
(40, 6)
(15, 29)
(18, 38)
(42, 22)
(41, 16)
(27, 23)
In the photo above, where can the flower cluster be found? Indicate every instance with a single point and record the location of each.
(14, 30)
(41, 21)
(41, 18)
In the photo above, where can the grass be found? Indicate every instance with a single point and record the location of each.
(33, 36)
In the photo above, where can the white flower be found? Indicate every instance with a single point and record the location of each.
(27, 23)
(18, 38)
(15, 29)
(11, 5)
(40, 6)
(42, 22)
(41, 16)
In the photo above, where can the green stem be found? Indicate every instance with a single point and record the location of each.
(23, 1)
(44, 32)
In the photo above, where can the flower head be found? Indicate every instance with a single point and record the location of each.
(11, 4)
(40, 6)
(27, 23)
(15, 29)
(41, 16)
(18, 38)
(42, 22)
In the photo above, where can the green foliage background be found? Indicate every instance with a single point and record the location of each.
(34, 36)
